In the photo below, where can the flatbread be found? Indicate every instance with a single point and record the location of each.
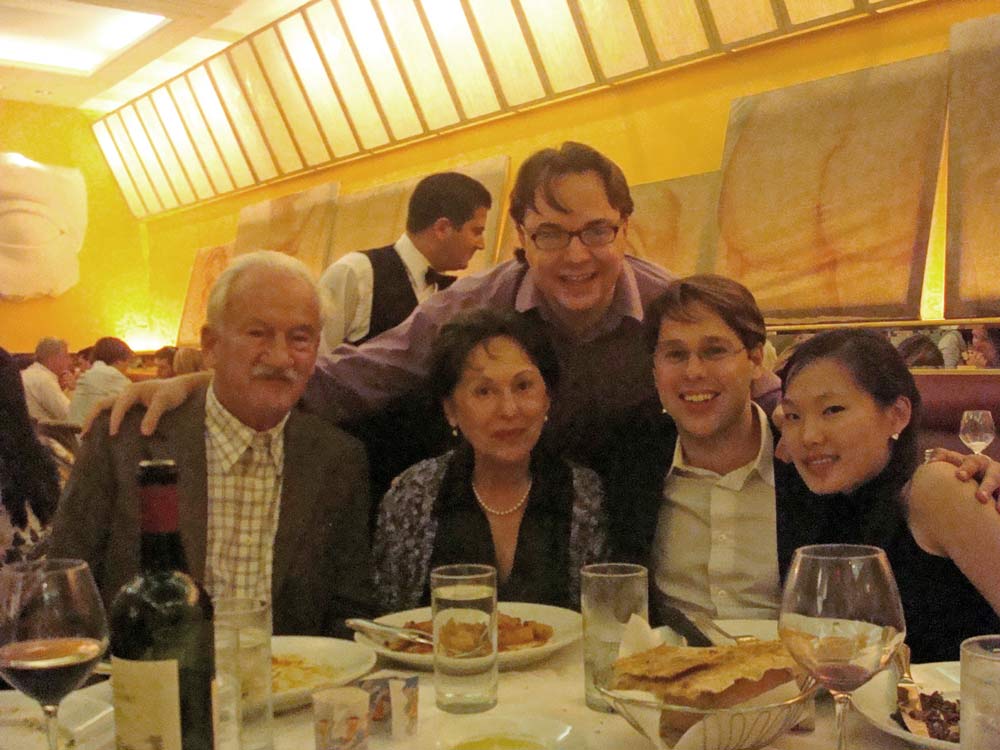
(718, 676)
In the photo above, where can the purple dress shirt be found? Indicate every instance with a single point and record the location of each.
(603, 374)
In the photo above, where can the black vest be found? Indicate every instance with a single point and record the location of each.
(393, 298)
(392, 293)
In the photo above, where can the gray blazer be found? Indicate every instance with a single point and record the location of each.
(322, 563)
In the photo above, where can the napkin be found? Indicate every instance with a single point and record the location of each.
(638, 636)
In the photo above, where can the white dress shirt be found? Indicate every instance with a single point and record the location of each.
(350, 283)
(716, 546)
(100, 381)
(45, 398)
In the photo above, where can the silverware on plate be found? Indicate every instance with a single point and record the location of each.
(381, 631)
(908, 693)
(706, 625)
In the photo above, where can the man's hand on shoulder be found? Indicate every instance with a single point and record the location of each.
(158, 396)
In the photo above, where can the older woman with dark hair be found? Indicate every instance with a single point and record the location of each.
(502, 497)
(29, 483)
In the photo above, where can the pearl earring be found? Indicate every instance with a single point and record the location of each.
(454, 430)
(895, 436)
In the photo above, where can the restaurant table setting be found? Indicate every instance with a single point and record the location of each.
(332, 694)
(537, 700)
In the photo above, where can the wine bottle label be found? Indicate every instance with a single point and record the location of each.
(147, 704)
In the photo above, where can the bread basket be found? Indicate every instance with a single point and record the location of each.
(742, 727)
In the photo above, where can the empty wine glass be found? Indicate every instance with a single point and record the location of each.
(977, 429)
(52, 631)
(841, 618)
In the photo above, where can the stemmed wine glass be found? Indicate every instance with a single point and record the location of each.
(52, 631)
(841, 617)
(977, 429)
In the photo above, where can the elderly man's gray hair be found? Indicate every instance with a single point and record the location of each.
(49, 347)
(218, 299)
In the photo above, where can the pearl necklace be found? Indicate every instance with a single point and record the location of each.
(494, 511)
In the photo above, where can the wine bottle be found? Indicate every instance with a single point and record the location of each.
(162, 643)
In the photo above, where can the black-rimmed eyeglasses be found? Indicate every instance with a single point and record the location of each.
(554, 238)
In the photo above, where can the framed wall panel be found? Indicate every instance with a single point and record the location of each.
(972, 280)
(827, 192)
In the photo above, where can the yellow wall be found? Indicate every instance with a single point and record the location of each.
(666, 125)
(109, 300)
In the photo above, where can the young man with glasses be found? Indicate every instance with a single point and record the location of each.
(693, 484)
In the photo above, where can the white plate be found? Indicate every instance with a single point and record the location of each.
(877, 699)
(86, 720)
(567, 624)
(347, 660)
(513, 721)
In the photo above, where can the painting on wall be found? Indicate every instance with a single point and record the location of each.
(827, 191)
(209, 263)
(377, 217)
(43, 219)
(671, 220)
(972, 284)
(299, 224)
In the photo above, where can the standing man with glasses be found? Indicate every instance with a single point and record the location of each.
(571, 277)
(571, 207)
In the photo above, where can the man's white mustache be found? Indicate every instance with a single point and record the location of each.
(267, 372)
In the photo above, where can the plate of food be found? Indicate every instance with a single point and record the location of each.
(303, 664)
(526, 633)
(877, 702)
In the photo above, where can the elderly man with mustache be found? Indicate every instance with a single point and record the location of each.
(273, 502)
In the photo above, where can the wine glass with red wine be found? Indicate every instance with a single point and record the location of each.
(52, 631)
(841, 617)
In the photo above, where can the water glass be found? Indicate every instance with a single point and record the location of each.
(464, 611)
(980, 725)
(243, 651)
(610, 593)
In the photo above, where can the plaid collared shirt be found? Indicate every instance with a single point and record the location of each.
(244, 492)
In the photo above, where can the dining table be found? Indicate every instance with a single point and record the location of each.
(553, 689)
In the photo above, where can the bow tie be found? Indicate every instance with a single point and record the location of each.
(437, 279)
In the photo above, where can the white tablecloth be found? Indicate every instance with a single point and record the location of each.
(554, 689)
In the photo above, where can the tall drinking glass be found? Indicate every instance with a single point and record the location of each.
(841, 617)
(464, 611)
(980, 722)
(610, 593)
(52, 631)
(976, 430)
(243, 654)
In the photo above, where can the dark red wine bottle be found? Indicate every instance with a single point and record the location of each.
(162, 643)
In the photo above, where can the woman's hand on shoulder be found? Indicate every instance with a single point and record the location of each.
(974, 467)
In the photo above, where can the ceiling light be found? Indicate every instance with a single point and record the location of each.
(68, 36)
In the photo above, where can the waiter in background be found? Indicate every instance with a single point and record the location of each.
(375, 290)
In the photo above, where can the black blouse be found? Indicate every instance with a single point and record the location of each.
(540, 572)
